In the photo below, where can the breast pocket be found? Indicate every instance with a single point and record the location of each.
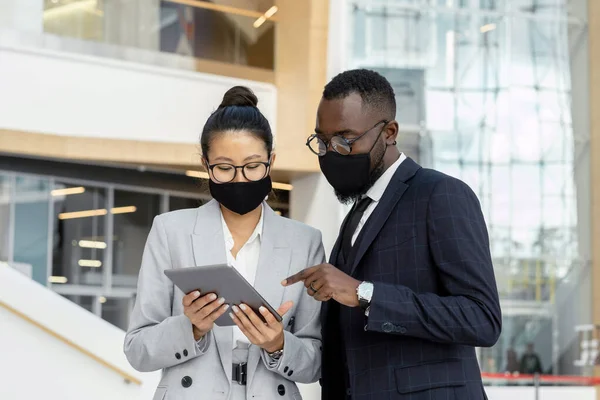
(390, 242)
(436, 375)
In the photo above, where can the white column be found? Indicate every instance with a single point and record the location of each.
(313, 202)
(22, 15)
(338, 41)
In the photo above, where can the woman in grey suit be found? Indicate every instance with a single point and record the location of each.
(173, 331)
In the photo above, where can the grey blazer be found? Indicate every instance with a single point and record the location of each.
(160, 335)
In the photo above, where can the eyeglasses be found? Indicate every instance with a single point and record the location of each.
(253, 171)
(338, 143)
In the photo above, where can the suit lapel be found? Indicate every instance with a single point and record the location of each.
(208, 244)
(391, 196)
(273, 267)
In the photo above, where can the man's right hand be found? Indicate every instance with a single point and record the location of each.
(203, 311)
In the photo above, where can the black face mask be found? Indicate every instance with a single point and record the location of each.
(350, 176)
(241, 197)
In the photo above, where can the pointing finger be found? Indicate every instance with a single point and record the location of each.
(300, 276)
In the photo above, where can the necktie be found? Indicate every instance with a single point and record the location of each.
(355, 216)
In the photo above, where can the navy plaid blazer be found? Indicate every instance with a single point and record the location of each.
(426, 249)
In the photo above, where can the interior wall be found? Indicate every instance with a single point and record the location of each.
(593, 15)
(301, 73)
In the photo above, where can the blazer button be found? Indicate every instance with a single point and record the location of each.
(178, 356)
(387, 327)
(281, 390)
(185, 353)
(290, 373)
(186, 381)
(402, 329)
(285, 370)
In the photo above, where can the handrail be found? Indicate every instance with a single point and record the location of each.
(542, 378)
(128, 377)
(222, 8)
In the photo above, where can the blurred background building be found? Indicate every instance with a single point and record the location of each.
(102, 103)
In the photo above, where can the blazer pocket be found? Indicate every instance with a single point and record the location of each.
(389, 243)
(161, 393)
(438, 374)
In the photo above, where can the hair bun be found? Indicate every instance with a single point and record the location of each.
(239, 96)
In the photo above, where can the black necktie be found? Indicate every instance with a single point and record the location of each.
(353, 220)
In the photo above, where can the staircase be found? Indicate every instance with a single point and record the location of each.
(51, 348)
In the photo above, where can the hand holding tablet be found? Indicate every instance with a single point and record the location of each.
(265, 332)
(203, 311)
(222, 281)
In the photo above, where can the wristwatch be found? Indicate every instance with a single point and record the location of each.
(364, 291)
(276, 355)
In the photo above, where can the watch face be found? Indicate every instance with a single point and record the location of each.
(365, 290)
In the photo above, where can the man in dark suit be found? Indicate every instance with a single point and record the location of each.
(410, 289)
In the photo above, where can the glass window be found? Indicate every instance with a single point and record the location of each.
(31, 225)
(5, 200)
(441, 110)
(164, 26)
(133, 216)
(178, 203)
(79, 243)
(86, 302)
(117, 310)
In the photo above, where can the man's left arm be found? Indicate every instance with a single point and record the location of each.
(469, 312)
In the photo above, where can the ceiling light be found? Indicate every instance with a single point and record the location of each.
(67, 191)
(82, 214)
(124, 210)
(102, 299)
(282, 186)
(70, 8)
(487, 28)
(96, 213)
(90, 263)
(197, 174)
(58, 279)
(268, 14)
(271, 11)
(91, 244)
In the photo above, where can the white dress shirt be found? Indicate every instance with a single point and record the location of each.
(246, 261)
(376, 193)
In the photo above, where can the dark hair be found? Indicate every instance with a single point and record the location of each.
(237, 112)
(375, 91)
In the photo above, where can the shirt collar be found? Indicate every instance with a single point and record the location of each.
(255, 235)
(376, 191)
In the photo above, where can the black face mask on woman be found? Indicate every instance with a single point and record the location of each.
(351, 175)
(241, 197)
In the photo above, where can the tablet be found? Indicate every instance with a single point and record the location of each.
(224, 281)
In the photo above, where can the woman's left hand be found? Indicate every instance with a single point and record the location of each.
(269, 335)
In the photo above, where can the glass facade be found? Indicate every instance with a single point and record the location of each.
(5, 211)
(494, 112)
(31, 222)
(84, 238)
(79, 244)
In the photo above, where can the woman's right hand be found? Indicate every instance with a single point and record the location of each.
(203, 311)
